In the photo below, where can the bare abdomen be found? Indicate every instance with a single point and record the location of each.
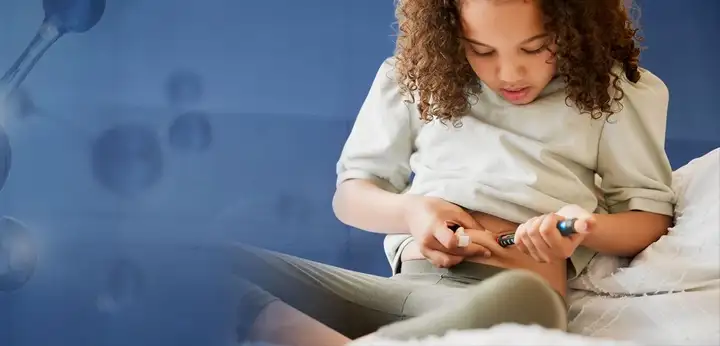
(511, 257)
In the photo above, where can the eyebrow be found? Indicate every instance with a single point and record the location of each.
(536, 37)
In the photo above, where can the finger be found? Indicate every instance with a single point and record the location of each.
(432, 243)
(521, 247)
(486, 240)
(467, 221)
(489, 241)
(542, 248)
(445, 237)
(446, 241)
(576, 239)
(584, 225)
(535, 241)
(478, 250)
(472, 247)
(517, 239)
(441, 259)
(522, 241)
(536, 221)
(552, 237)
(528, 242)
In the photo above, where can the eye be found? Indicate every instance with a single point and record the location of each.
(536, 51)
(479, 53)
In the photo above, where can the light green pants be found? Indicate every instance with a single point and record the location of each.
(420, 301)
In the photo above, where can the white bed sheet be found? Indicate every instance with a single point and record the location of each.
(504, 334)
(685, 318)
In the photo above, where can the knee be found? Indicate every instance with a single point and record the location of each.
(522, 280)
(522, 297)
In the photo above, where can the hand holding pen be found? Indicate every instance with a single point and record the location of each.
(546, 238)
(553, 237)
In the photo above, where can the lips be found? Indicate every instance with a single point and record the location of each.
(515, 94)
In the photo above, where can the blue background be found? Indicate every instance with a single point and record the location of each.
(279, 83)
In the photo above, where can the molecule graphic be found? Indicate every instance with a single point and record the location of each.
(18, 255)
(5, 157)
(184, 88)
(61, 17)
(19, 104)
(124, 284)
(127, 159)
(191, 130)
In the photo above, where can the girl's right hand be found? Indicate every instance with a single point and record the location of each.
(428, 219)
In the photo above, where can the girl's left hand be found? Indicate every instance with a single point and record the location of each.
(540, 238)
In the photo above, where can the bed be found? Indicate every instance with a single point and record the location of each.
(667, 295)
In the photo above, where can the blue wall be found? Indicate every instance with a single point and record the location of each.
(229, 116)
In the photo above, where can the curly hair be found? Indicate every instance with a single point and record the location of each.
(593, 37)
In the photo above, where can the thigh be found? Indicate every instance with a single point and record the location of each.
(349, 302)
(437, 292)
(444, 286)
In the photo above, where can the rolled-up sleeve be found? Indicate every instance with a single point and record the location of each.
(381, 140)
(635, 171)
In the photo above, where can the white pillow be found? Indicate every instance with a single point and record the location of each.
(697, 187)
(687, 257)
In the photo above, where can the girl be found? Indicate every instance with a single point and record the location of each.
(511, 115)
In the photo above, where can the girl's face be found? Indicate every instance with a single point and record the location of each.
(507, 47)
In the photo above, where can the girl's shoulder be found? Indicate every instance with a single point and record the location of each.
(650, 88)
(643, 107)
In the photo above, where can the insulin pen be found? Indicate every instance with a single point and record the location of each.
(566, 228)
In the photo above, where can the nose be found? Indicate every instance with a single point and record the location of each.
(510, 71)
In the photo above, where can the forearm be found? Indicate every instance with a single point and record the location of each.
(362, 204)
(626, 234)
